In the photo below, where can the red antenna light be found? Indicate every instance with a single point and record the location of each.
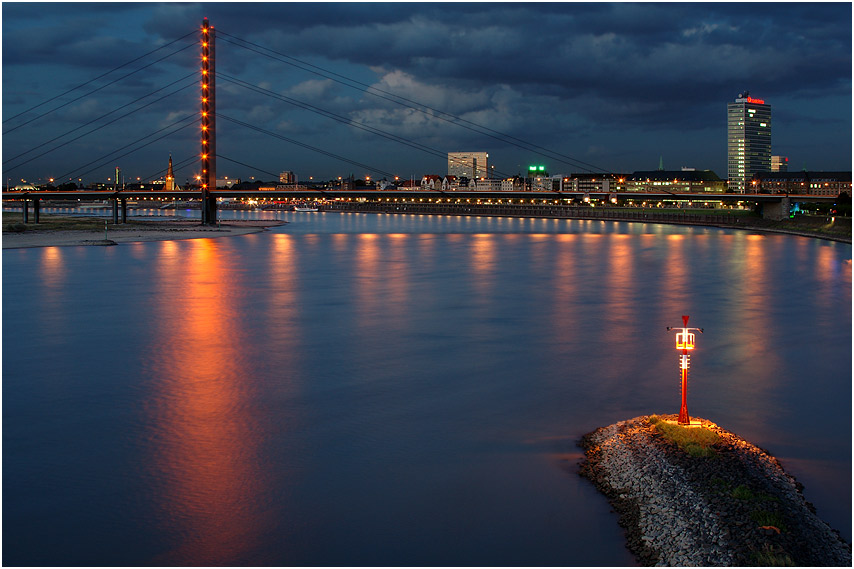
(684, 342)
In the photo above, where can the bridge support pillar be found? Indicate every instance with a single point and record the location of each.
(115, 211)
(26, 210)
(208, 207)
(36, 204)
(124, 210)
(776, 211)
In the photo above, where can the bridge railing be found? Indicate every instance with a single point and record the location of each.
(557, 211)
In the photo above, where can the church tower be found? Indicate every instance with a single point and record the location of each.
(170, 177)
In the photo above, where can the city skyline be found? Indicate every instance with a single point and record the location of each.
(612, 86)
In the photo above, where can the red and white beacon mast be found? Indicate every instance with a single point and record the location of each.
(684, 342)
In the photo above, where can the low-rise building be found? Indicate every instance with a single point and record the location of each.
(593, 182)
(514, 184)
(431, 182)
(804, 183)
(688, 181)
(487, 185)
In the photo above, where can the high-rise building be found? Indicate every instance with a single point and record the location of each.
(472, 165)
(287, 178)
(748, 140)
(779, 164)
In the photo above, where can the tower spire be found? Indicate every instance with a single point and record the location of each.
(170, 176)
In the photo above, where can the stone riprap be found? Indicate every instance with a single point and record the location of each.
(736, 508)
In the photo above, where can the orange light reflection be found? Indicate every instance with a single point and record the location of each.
(202, 440)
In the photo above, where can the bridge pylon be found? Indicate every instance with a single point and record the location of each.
(208, 117)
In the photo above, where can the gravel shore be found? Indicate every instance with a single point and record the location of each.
(736, 508)
(155, 230)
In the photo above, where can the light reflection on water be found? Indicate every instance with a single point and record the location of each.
(207, 479)
(355, 389)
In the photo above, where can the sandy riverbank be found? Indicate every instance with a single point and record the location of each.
(154, 230)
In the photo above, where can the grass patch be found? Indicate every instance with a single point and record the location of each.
(55, 223)
(742, 493)
(15, 227)
(69, 223)
(771, 557)
(696, 441)
(766, 518)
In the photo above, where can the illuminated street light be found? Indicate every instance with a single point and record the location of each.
(684, 342)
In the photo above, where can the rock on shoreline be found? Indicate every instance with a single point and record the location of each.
(734, 509)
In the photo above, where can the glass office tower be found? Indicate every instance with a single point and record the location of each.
(748, 141)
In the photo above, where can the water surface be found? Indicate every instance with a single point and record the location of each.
(358, 389)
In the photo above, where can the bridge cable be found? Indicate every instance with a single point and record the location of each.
(98, 77)
(67, 142)
(133, 150)
(342, 119)
(298, 143)
(191, 118)
(247, 165)
(97, 89)
(99, 118)
(403, 101)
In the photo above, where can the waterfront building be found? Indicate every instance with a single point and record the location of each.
(678, 181)
(469, 164)
(431, 182)
(227, 182)
(513, 184)
(544, 183)
(748, 140)
(594, 182)
(802, 183)
(287, 178)
(779, 164)
(487, 185)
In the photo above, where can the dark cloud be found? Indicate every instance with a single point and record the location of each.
(586, 79)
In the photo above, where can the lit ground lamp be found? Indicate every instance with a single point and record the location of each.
(684, 342)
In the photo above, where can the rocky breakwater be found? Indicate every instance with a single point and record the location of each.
(717, 502)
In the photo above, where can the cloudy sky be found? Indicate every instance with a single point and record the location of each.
(327, 89)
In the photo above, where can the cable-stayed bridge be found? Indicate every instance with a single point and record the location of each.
(205, 119)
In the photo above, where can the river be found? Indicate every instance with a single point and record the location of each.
(371, 389)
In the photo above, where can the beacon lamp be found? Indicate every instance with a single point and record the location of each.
(684, 342)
